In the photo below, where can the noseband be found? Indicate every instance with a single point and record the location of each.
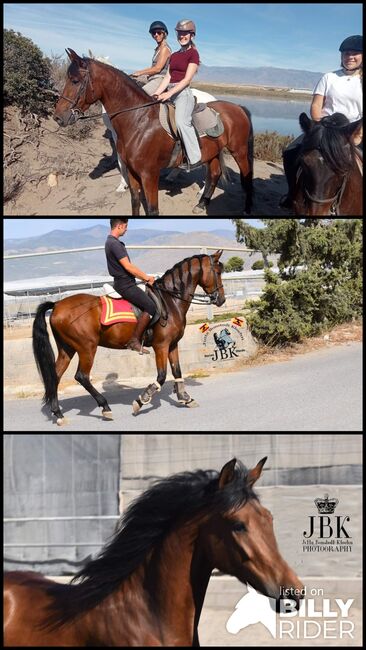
(335, 201)
(82, 91)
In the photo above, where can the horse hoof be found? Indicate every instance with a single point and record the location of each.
(192, 404)
(136, 408)
(107, 415)
(198, 209)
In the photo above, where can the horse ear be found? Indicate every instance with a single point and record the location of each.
(255, 473)
(91, 55)
(305, 122)
(351, 128)
(227, 473)
(217, 255)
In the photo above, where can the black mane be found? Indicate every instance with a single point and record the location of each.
(177, 270)
(328, 136)
(142, 528)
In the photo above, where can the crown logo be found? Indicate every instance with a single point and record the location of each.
(326, 506)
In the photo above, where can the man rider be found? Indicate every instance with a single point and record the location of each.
(125, 273)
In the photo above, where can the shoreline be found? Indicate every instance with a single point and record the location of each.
(258, 91)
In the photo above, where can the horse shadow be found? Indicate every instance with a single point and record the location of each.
(117, 394)
(106, 163)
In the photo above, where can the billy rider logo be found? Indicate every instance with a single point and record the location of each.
(224, 342)
(327, 533)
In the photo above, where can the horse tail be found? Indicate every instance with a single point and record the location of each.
(43, 353)
(250, 139)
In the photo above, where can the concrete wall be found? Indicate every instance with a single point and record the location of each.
(20, 372)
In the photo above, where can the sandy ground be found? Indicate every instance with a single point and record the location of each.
(85, 183)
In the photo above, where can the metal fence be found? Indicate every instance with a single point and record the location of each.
(20, 309)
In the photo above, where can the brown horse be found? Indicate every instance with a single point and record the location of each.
(147, 586)
(142, 143)
(329, 180)
(76, 326)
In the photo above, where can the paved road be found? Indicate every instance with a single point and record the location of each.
(320, 391)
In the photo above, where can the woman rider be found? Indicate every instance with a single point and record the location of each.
(150, 78)
(336, 92)
(124, 274)
(176, 87)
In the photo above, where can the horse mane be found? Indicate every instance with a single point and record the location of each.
(179, 268)
(328, 136)
(142, 528)
(131, 83)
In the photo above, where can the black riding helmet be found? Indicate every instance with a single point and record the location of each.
(158, 24)
(351, 43)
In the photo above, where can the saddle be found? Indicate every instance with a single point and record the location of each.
(155, 294)
(205, 120)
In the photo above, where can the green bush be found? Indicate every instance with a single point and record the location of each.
(27, 75)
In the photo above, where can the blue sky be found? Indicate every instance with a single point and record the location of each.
(285, 35)
(19, 228)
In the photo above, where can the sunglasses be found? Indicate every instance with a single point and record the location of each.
(157, 33)
(181, 34)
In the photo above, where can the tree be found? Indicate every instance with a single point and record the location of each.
(320, 276)
(27, 74)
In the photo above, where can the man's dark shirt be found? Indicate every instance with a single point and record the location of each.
(115, 250)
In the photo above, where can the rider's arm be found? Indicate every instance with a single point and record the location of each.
(317, 107)
(134, 270)
(191, 71)
(159, 65)
(164, 84)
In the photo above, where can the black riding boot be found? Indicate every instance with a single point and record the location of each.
(136, 338)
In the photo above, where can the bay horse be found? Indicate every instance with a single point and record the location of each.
(147, 586)
(76, 326)
(329, 179)
(142, 143)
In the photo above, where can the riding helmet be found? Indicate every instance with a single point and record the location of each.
(186, 25)
(158, 24)
(351, 43)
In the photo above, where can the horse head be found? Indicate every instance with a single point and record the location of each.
(241, 541)
(325, 161)
(78, 93)
(211, 281)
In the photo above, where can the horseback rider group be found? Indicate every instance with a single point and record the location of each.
(169, 79)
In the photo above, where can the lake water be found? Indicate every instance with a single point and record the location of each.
(272, 115)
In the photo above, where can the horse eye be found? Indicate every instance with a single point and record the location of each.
(75, 81)
(239, 527)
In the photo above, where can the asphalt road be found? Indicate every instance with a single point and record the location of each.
(319, 391)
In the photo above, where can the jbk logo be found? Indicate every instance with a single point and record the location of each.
(326, 533)
(226, 342)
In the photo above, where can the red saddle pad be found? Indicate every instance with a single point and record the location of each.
(116, 311)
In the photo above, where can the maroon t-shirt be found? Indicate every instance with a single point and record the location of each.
(179, 62)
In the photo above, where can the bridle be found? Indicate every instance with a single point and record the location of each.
(79, 114)
(334, 201)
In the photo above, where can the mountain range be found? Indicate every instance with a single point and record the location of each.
(261, 76)
(94, 263)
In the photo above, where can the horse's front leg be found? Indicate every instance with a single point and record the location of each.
(179, 388)
(135, 189)
(161, 356)
(150, 184)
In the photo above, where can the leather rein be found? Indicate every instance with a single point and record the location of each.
(79, 114)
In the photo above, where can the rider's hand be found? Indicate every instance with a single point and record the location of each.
(163, 97)
(150, 280)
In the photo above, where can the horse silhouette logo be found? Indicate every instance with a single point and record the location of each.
(253, 608)
(224, 340)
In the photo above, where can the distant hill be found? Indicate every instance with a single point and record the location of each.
(94, 263)
(261, 76)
